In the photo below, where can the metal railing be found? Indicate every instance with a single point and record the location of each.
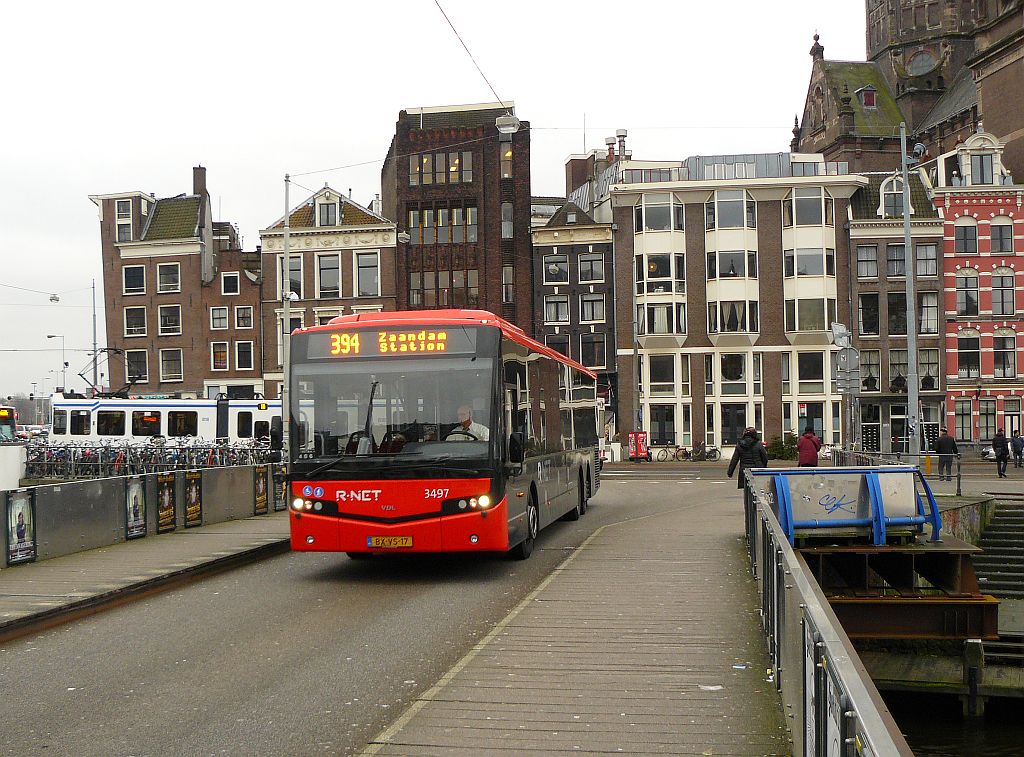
(929, 462)
(835, 705)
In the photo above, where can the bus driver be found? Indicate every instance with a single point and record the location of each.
(466, 428)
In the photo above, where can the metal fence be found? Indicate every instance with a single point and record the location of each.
(928, 462)
(835, 705)
(76, 461)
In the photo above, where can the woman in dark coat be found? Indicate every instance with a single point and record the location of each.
(750, 453)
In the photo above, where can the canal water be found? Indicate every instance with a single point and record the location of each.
(934, 727)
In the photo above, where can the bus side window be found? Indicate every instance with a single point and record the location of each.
(60, 422)
(110, 422)
(81, 422)
(262, 430)
(182, 423)
(145, 423)
(244, 425)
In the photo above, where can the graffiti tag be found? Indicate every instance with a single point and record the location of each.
(831, 503)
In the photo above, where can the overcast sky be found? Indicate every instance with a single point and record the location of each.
(104, 97)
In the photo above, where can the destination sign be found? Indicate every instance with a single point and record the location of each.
(391, 342)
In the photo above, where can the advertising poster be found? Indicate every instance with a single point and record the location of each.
(21, 528)
(280, 495)
(193, 498)
(165, 503)
(260, 503)
(135, 507)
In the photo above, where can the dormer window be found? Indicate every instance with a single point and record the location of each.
(570, 218)
(867, 97)
(981, 169)
(328, 214)
(891, 199)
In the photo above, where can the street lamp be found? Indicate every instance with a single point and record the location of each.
(63, 361)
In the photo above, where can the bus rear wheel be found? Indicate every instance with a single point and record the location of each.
(524, 549)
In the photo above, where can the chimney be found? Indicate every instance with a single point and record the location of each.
(610, 142)
(621, 136)
(199, 181)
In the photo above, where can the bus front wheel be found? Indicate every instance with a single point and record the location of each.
(525, 548)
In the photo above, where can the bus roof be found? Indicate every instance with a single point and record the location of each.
(450, 317)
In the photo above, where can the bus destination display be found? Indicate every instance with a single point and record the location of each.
(398, 342)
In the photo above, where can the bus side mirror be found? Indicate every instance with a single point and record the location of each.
(516, 448)
(276, 433)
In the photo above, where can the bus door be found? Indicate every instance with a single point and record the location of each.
(223, 417)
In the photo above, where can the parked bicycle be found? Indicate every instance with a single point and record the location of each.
(700, 452)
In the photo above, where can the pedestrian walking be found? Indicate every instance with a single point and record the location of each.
(749, 453)
(945, 445)
(807, 448)
(1017, 447)
(1001, 448)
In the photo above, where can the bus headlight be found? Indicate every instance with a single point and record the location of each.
(482, 502)
(297, 503)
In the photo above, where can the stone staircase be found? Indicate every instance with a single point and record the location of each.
(1000, 567)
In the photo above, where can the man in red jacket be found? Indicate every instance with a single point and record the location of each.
(807, 449)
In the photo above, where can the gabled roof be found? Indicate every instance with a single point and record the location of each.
(174, 218)
(849, 77)
(560, 218)
(352, 213)
(865, 201)
(961, 95)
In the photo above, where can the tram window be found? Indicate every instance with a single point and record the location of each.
(60, 422)
(110, 422)
(80, 422)
(145, 424)
(244, 425)
(182, 423)
(262, 430)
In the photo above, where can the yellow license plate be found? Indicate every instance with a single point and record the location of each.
(388, 542)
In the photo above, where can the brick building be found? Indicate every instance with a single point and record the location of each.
(181, 298)
(342, 262)
(460, 189)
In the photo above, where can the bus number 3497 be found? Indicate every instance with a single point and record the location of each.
(435, 493)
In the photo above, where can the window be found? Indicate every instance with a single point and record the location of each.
(229, 283)
(124, 210)
(966, 236)
(809, 261)
(168, 277)
(1005, 347)
(591, 308)
(243, 425)
(870, 370)
(964, 420)
(146, 423)
(293, 281)
(367, 274)
(684, 375)
(657, 212)
(709, 375)
(811, 372)
(592, 350)
(471, 223)
(414, 170)
(556, 308)
(556, 269)
(136, 366)
(124, 232)
(171, 365)
(329, 270)
(928, 368)
(110, 422)
(808, 206)
(506, 220)
(427, 168)
(170, 320)
(987, 418)
(505, 154)
(732, 316)
(892, 199)
(662, 375)
(928, 312)
(1002, 234)
(507, 288)
(967, 292)
(809, 314)
(730, 209)
(898, 370)
(558, 342)
(897, 303)
(730, 265)
(134, 279)
(968, 350)
(243, 356)
(1002, 292)
(219, 356)
(663, 424)
(218, 318)
(660, 319)
(135, 321)
(867, 310)
(182, 423)
(867, 98)
(591, 268)
(734, 374)
(659, 273)
(440, 167)
(785, 373)
(895, 260)
(927, 260)
(328, 214)
(867, 261)
(981, 169)
(243, 317)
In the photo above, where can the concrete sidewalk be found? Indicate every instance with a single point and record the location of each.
(44, 593)
(645, 641)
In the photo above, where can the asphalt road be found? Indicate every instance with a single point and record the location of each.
(299, 654)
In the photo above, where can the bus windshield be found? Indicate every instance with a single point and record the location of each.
(412, 408)
(7, 425)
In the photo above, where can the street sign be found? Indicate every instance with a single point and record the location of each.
(848, 359)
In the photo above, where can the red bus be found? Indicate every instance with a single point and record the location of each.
(435, 431)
